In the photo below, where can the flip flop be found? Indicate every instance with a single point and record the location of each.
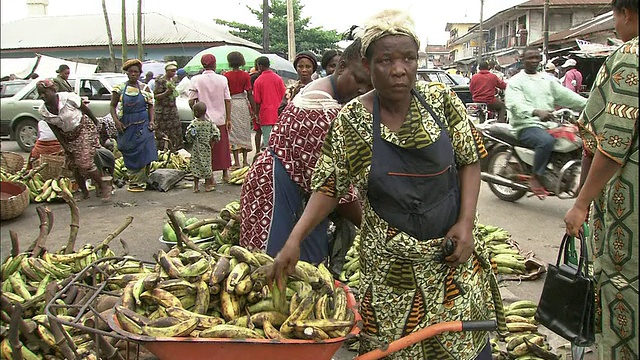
(210, 188)
(135, 188)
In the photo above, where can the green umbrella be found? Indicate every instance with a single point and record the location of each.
(221, 52)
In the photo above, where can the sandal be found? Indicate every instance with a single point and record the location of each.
(540, 192)
(135, 188)
(210, 188)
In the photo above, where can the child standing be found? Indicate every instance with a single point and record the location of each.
(201, 133)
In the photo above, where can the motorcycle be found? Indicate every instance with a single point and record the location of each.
(509, 164)
(479, 112)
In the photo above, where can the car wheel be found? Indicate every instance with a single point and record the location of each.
(26, 134)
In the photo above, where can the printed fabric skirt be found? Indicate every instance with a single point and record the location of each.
(240, 134)
(221, 152)
(82, 143)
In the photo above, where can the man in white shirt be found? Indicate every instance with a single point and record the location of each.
(183, 83)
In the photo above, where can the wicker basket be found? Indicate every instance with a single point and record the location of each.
(56, 167)
(11, 162)
(14, 198)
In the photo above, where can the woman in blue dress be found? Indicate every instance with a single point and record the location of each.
(134, 119)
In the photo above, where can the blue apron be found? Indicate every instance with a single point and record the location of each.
(136, 143)
(414, 190)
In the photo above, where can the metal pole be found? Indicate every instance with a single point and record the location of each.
(481, 42)
(545, 38)
(291, 36)
(140, 41)
(124, 32)
(265, 26)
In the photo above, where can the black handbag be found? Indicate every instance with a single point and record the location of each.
(567, 303)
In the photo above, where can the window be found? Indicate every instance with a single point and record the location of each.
(93, 89)
(443, 78)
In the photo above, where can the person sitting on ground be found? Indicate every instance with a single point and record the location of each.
(201, 133)
(483, 88)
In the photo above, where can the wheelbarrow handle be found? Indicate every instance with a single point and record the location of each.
(429, 331)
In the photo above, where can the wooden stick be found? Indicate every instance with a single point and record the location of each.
(67, 348)
(125, 246)
(37, 247)
(107, 240)
(14, 336)
(15, 244)
(75, 223)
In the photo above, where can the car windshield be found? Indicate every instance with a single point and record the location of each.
(115, 80)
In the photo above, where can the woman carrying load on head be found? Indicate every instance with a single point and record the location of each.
(74, 125)
(410, 151)
(134, 119)
(241, 105)
(168, 125)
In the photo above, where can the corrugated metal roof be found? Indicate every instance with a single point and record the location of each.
(537, 3)
(90, 30)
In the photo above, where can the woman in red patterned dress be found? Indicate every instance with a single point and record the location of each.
(277, 187)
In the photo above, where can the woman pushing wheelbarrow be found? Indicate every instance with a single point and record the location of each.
(409, 147)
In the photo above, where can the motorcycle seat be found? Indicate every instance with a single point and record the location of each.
(504, 132)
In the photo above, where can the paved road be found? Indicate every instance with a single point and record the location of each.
(536, 225)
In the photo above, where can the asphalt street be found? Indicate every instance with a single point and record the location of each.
(537, 225)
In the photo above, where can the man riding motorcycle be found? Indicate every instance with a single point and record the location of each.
(483, 87)
(530, 99)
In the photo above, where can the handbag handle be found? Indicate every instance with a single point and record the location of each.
(562, 253)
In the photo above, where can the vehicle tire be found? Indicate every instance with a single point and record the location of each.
(26, 134)
(498, 166)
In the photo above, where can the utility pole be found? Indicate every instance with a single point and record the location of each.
(112, 56)
(265, 26)
(291, 36)
(545, 37)
(481, 42)
(124, 32)
(140, 41)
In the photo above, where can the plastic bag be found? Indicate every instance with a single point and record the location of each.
(164, 179)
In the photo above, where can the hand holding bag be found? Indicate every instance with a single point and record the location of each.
(567, 303)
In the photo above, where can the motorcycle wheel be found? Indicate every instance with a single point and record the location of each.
(499, 166)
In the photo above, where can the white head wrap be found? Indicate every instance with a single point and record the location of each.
(388, 22)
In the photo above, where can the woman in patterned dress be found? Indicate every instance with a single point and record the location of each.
(74, 125)
(134, 119)
(166, 111)
(410, 151)
(609, 128)
(241, 105)
(279, 181)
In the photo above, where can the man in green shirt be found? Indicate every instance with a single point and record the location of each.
(530, 99)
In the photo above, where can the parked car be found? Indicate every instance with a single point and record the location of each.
(19, 114)
(461, 89)
(11, 87)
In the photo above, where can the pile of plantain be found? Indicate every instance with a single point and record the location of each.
(40, 190)
(524, 342)
(28, 282)
(166, 160)
(224, 294)
(237, 176)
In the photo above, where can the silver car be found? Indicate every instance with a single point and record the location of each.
(19, 114)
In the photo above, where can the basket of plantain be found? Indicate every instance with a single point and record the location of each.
(200, 305)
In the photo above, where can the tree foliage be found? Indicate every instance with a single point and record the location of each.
(313, 39)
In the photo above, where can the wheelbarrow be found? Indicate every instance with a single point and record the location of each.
(285, 349)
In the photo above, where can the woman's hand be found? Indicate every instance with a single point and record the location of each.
(228, 125)
(118, 124)
(285, 262)
(152, 125)
(574, 219)
(462, 236)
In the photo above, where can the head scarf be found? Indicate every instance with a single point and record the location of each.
(171, 65)
(208, 60)
(306, 55)
(388, 22)
(181, 71)
(131, 62)
(45, 84)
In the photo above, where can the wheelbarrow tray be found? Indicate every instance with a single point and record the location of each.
(186, 348)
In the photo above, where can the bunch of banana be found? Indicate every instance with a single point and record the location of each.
(25, 279)
(119, 170)
(237, 176)
(169, 160)
(230, 210)
(224, 294)
(49, 190)
(230, 213)
(350, 274)
(524, 341)
(505, 258)
(209, 229)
